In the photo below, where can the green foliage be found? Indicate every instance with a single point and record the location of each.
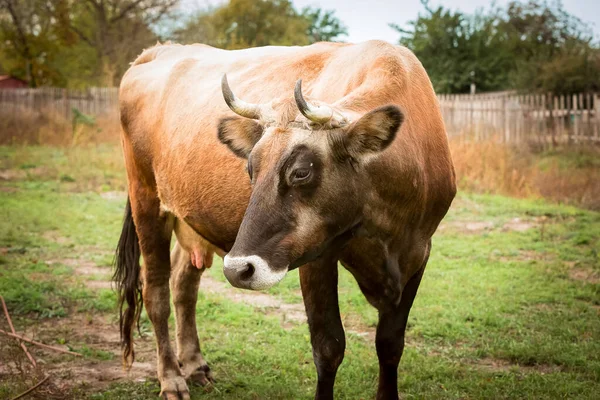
(116, 31)
(76, 43)
(30, 41)
(457, 49)
(324, 26)
(533, 46)
(89, 43)
(248, 23)
(553, 50)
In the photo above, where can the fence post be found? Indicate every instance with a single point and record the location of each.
(575, 119)
(581, 124)
(520, 117)
(588, 109)
(537, 105)
(65, 103)
(561, 117)
(542, 120)
(597, 116)
(506, 119)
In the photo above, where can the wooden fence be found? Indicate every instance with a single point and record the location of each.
(507, 116)
(92, 101)
(514, 118)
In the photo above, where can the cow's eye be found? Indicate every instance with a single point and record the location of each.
(300, 175)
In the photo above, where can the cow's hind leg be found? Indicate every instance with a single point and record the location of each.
(154, 233)
(389, 339)
(185, 279)
(319, 281)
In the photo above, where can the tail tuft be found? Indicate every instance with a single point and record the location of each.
(129, 289)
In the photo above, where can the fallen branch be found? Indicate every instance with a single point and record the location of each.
(12, 328)
(31, 389)
(40, 344)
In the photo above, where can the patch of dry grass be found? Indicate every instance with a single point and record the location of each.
(28, 127)
(568, 175)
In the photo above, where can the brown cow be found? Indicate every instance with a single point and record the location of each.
(358, 172)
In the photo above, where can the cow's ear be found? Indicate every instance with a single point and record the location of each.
(372, 133)
(239, 134)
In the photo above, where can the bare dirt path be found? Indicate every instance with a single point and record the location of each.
(289, 313)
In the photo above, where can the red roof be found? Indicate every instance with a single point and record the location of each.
(10, 82)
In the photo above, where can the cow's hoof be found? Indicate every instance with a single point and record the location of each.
(196, 370)
(202, 375)
(174, 389)
(176, 396)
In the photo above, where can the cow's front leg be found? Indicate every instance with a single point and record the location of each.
(389, 340)
(319, 289)
(154, 238)
(185, 279)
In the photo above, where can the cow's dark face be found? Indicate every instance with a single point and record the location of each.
(309, 188)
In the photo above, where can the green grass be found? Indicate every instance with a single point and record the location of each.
(501, 313)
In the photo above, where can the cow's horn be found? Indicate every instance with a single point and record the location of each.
(319, 114)
(238, 106)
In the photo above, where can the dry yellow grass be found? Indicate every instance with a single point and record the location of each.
(568, 175)
(48, 128)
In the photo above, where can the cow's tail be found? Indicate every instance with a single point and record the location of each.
(127, 280)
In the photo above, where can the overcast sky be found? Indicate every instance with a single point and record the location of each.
(368, 19)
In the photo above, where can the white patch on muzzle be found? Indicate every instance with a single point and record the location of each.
(263, 276)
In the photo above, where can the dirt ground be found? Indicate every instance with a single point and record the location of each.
(71, 376)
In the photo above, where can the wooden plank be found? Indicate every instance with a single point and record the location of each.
(567, 118)
(65, 103)
(544, 118)
(505, 120)
(533, 128)
(597, 116)
(561, 117)
(515, 110)
(543, 125)
(555, 129)
(530, 131)
(588, 112)
(575, 118)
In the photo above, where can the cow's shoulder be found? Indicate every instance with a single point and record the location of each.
(394, 60)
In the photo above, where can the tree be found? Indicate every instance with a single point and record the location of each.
(552, 50)
(249, 23)
(30, 39)
(198, 28)
(324, 26)
(456, 49)
(81, 43)
(117, 30)
(526, 46)
(76, 42)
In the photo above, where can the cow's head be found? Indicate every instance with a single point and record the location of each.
(309, 184)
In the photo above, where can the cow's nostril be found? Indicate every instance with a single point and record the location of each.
(247, 272)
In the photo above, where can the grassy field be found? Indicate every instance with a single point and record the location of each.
(509, 306)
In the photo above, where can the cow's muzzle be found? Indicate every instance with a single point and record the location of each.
(251, 272)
